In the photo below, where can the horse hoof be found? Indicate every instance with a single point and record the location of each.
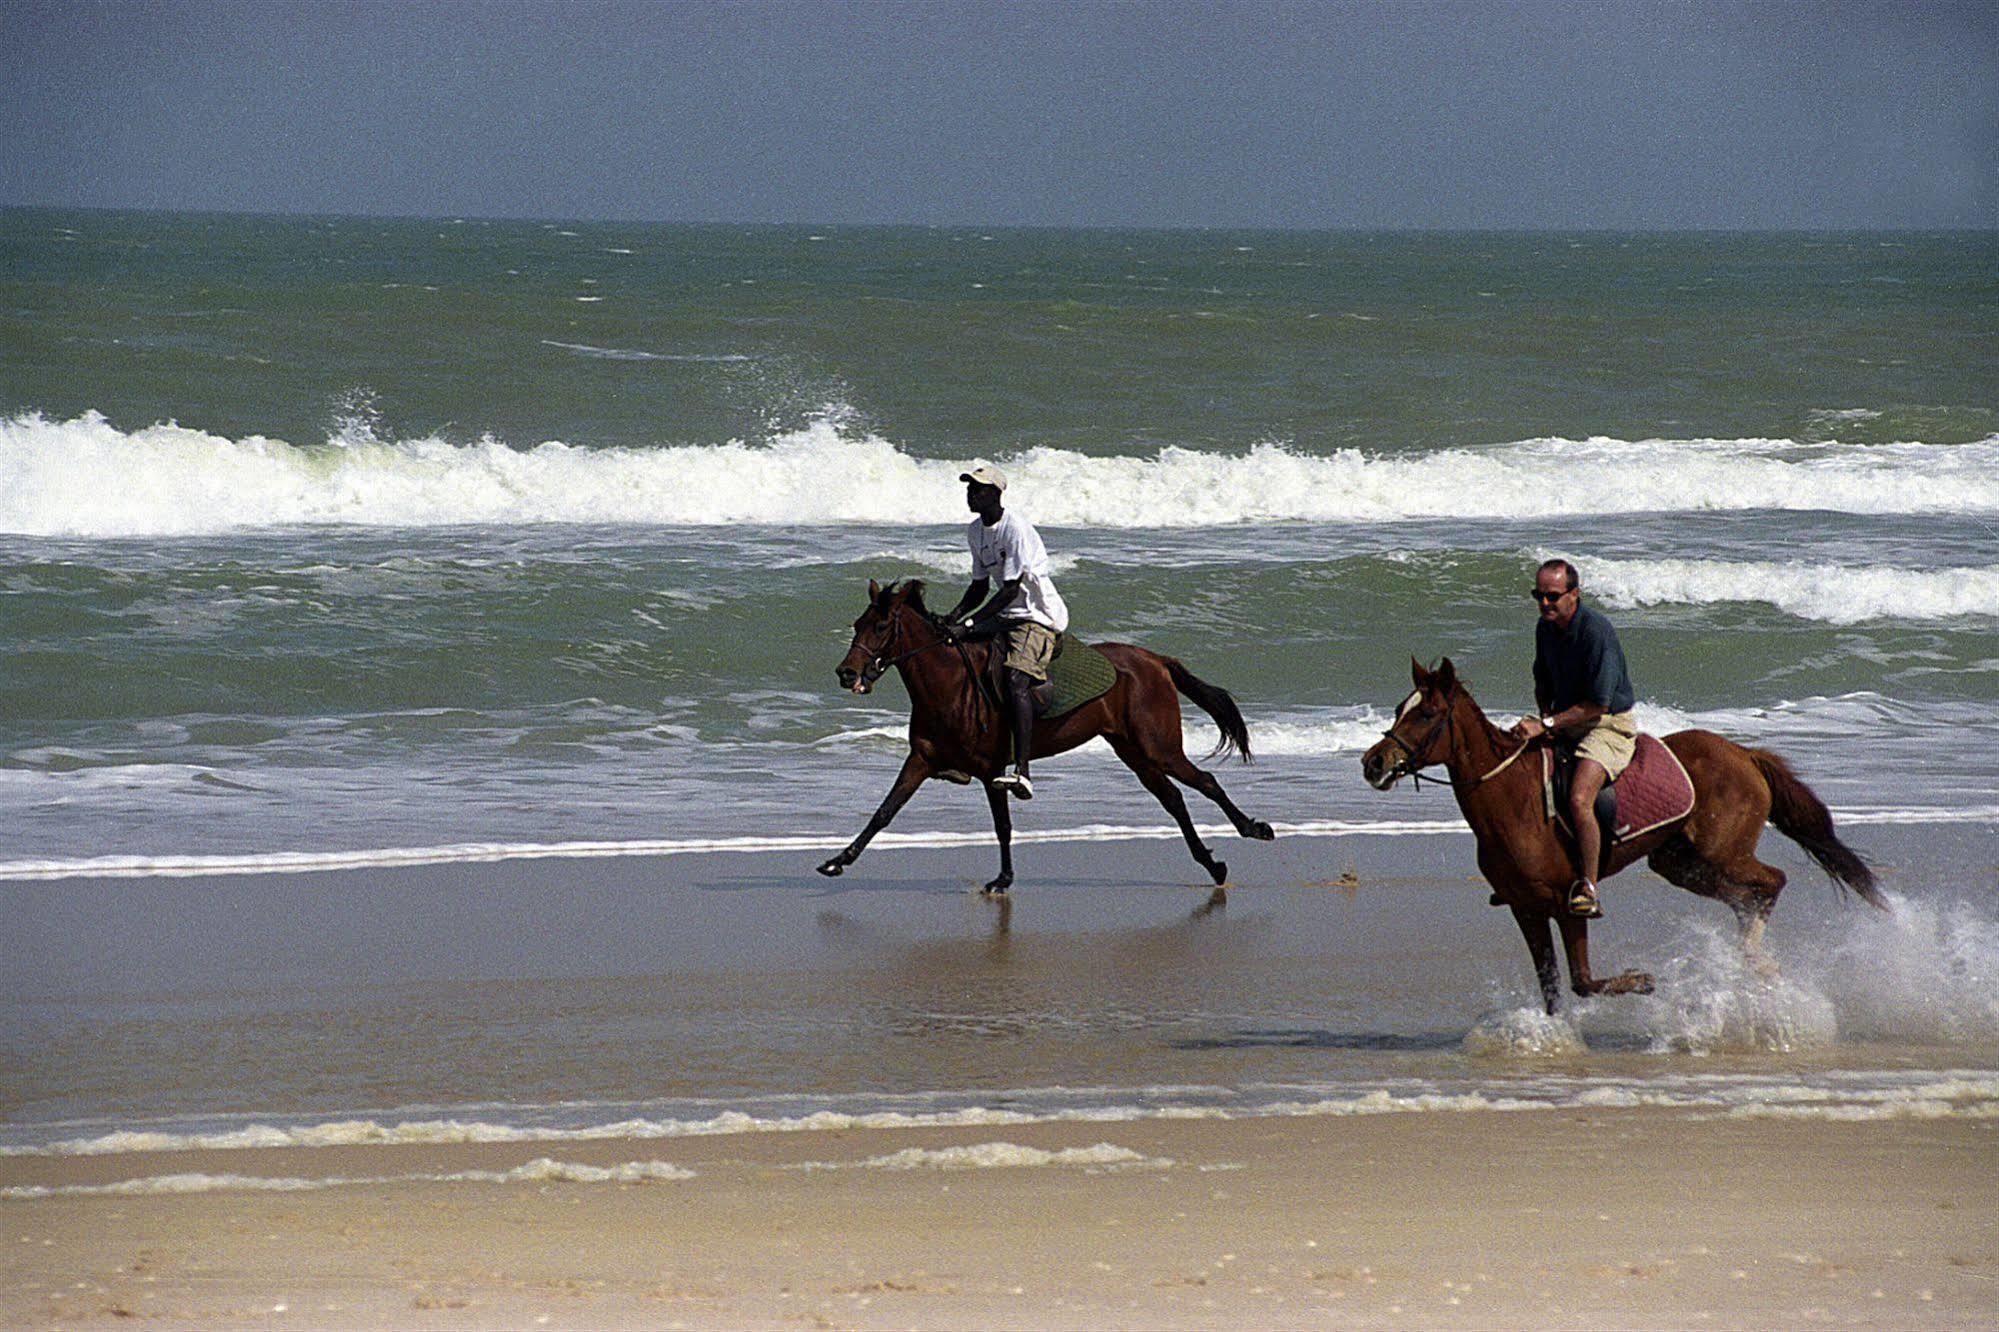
(998, 887)
(1218, 870)
(1640, 982)
(832, 869)
(1260, 831)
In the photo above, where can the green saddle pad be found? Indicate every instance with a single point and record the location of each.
(1079, 673)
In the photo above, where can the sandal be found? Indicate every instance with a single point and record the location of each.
(1583, 901)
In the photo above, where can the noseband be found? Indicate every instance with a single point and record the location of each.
(1406, 766)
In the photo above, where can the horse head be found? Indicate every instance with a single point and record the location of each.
(1419, 737)
(880, 633)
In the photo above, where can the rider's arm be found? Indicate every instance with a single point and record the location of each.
(974, 594)
(988, 617)
(1577, 717)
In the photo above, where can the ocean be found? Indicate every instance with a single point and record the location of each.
(335, 548)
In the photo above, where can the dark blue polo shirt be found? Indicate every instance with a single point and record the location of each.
(1584, 664)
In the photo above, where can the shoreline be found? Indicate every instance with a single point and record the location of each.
(1562, 1218)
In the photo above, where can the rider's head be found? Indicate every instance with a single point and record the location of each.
(983, 485)
(1557, 591)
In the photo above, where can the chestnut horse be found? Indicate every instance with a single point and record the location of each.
(957, 733)
(1712, 851)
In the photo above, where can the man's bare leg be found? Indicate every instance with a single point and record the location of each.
(1583, 788)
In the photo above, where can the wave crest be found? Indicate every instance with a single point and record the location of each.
(173, 480)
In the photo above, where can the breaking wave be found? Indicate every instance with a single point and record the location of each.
(1834, 593)
(177, 480)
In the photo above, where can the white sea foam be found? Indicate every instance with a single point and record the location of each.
(180, 480)
(1835, 593)
(542, 1170)
(956, 562)
(320, 862)
(1517, 1032)
(312, 862)
(999, 1156)
(632, 354)
(1965, 1093)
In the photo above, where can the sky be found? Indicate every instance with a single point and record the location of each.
(1524, 114)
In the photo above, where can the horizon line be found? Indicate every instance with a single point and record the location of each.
(461, 218)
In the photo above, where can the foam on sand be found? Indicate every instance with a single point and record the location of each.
(541, 1170)
(1000, 1156)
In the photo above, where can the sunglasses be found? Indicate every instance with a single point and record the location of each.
(1546, 598)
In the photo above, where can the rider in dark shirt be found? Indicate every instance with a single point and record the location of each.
(1584, 694)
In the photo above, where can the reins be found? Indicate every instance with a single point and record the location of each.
(880, 663)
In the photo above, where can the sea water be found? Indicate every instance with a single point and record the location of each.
(352, 545)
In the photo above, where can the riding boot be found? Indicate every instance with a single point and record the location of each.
(1020, 700)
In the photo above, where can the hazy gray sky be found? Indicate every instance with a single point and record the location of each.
(1538, 114)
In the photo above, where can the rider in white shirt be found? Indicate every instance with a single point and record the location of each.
(1027, 610)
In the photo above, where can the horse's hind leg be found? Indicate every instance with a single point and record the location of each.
(1750, 889)
(1747, 886)
(1182, 768)
(1168, 795)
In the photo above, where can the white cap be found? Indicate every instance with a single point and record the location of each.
(986, 475)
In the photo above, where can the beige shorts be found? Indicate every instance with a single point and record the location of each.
(1029, 649)
(1612, 742)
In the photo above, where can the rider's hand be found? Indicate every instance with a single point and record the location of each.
(1529, 727)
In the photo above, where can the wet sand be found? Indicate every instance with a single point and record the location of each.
(1553, 1218)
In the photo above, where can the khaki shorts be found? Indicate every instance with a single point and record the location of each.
(1613, 741)
(1029, 649)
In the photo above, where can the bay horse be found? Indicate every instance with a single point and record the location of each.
(957, 733)
(1711, 851)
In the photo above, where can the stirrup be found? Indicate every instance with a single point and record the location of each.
(1583, 900)
(1017, 783)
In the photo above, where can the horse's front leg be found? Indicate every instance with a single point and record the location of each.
(1003, 829)
(915, 770)
(1575, 941)
(1541, 943)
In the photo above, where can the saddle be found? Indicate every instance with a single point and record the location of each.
(1652, 791)
(1078, 674)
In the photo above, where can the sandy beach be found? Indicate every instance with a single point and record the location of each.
(1554, 1219)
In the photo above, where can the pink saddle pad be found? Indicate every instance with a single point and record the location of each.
(1654, 790)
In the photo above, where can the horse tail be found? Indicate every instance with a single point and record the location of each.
(1217, 703)
(1802, 816)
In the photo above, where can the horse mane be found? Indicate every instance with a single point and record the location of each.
(911, 590)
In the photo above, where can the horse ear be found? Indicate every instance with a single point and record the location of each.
(1417, 675)
(874, 591)
(1446, 675)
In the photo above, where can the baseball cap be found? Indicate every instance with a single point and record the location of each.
(986, 475)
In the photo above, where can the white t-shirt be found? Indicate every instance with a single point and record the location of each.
(1010, 549)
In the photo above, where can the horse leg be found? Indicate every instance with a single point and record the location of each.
(1748, 887)
(914, 771)
(1168, 795)
(1003, 829)
(1575, 941)
(1182, 769)
(1541, 944)
(1751, 889)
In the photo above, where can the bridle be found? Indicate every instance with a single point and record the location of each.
(879, 663)
(1406, 766)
